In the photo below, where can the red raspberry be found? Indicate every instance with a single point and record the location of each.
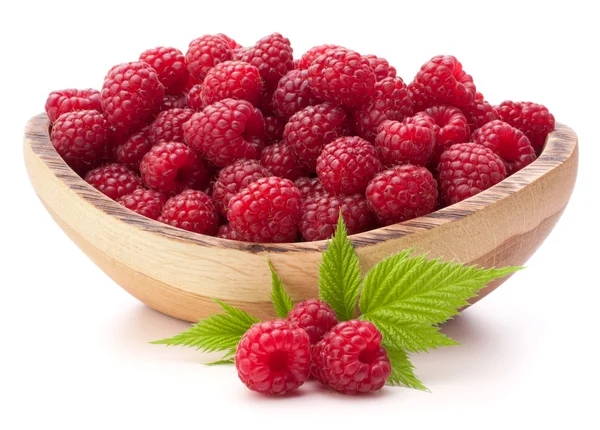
(145, 202)
(238, 53)
(226, 232)
(320, 214)
(402, 193)
(273, 357)
(309, 186)
(479, 112)
(168, 125)
(192, 211)
(450, 127)
(442, 81)
(234, 178)
(134, 148)
(232, 80)
(174, 101)
(315, 317)
(281, 161)
(225, 131)
(313, 53)
(206, 52)
(381, 67)
(531, 118)
(115, 180)
(72, 100)
(273, 130)
(467, 169)
(80, 138)
(194, 98)
(292, 94)
(342, 77)
(232, 43)
(410, 141)
(172, 167)
(268, 210)
(347, 164)
(266, 100)
(508, 142)
(131, 94)
(390, 102)
(273, 56)
(310, 129)
(170, 66)
(350, 358)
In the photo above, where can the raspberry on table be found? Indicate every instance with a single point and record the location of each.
(381, 67)
(531, 118)
(134, 148)
(169, 64)
(114, 180)
(313, 127)
(171, 167)
(194, 98)
(292, 94)
(206, 52)
(273, 130)
(234, 178)
(131, 94)
(410, 141)
(309, 186)
(321, 210)
(232, 80)
(281, 160)
(442, 80)
(193, 211)
(467, 169)
(351, 359)
(273, 56)
(226, 130)
(450, 127)
(80, 138)
(508, 142)
(226, 232)
(232, 43)
(315, 317)
(479, 112)
(342, 77)
(267, 211)
(70, 100)
(346, 165)
(402, 193)
(168, 125)
(313, 53)
(148, 203)
(273, 357)
(174, 101)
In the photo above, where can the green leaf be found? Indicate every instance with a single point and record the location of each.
(339, 274)
(281, 301)
(402, 370)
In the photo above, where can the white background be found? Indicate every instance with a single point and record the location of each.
(74, 352)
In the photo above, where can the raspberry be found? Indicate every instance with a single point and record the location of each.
(192, 211)
(442, 81)
(402, 193)
(225, 131)
(273, 130)
(508, 142)
(273, 56)
(309, 186)
(206, 52)
(281, 161)
(320, 212)
(313, 53)
(450, 127)
(172, 167)
(80, 138)
(479, 112)
(531, 118)
(292, 94)
(169, 64)
(168, 125)
(114, 180)
(273, 357)
(238, 53)
(467, 169)
(268, 210)
(134, 148)
(315, 317)
(381, 67)
(226, 232)
(351, 359)
(232, 79)
(72, 100)
(310, 129)
(194, 98)
(342, 77)
(389, 102)
(145, 202)
(347, 164)
(232, 43)
(266, 100)
(131, 94)
(191, 82)
(410, 141)
(174, 101)
(234, 178)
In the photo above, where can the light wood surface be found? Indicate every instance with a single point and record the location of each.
(177, 272)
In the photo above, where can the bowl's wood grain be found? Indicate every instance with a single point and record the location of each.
(177, 272)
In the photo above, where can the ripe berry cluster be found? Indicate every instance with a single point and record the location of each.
(248, 144)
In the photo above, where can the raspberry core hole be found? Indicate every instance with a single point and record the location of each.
(278, 361)
(368, 354)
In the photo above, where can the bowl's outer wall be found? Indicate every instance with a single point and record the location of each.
(177, 272)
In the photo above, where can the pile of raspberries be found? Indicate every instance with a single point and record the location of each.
(248, 144)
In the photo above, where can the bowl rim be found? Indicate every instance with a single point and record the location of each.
(559, 146)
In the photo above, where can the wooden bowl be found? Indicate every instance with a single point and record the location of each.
(177, 272)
